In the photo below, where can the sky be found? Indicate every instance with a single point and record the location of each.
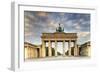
(37, 22)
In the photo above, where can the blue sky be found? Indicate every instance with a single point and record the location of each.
(37, 22)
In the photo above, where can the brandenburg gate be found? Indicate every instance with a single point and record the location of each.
(59, 36)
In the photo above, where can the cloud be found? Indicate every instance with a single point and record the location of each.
(83, 37)
(42, 14)
(52, 23)
(28, 15)
(77, 26)
(28, 34)
(83, 34)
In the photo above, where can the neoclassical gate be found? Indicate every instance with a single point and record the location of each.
(58, 36)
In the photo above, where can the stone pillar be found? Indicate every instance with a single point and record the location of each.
(63, 47)
(69, 48)
(43, 51)
(55, 48)
(49, 48)
(75, 49)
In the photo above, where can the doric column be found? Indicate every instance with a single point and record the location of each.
(49, 48)
(63, 47)
(43, 51)
(55, 48)
(69, 48)
(75, 49)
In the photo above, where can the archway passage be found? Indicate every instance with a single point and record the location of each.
(60, 49)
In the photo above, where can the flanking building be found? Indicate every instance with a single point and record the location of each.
(31, 51)
(85, 49)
